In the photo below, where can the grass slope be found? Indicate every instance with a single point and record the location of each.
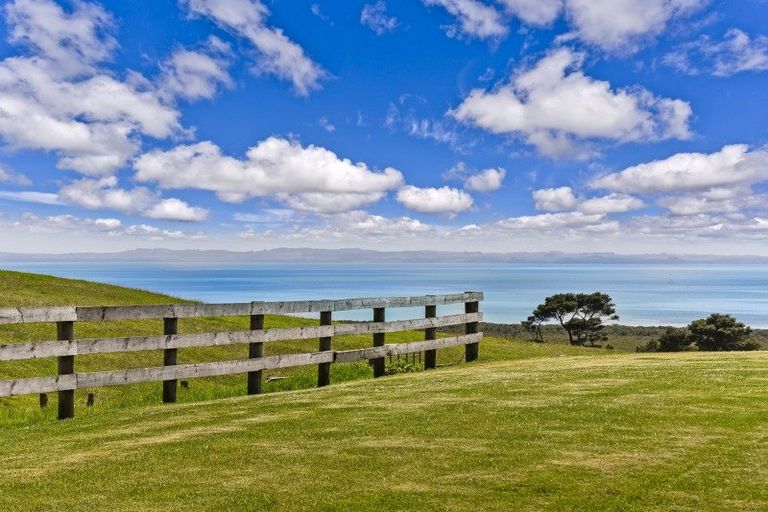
(21, 289)
(627, 432)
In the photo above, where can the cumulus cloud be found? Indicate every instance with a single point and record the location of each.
(58, 100)
(733, 165)
(563, 198)
(612, 203)
(534, 12)
(72, 42)
(328, 202)
(176, 209)
(474, 19)
(434, 200)
(486, 180)
(555, 103)
(105, 193)
(555, 199)
(278, 54)
(622, 25)
(196, 74)
(273, 166)
(737, 52)
(566, 221)
(375, 17)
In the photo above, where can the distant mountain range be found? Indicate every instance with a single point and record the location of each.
(308, 255)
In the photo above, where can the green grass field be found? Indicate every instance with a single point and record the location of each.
(528, 427)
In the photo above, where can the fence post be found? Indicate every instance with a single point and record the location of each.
(170, 358)
(379, 366)
(430, 333)
(471, 350)
(255, 350)
(66, 364)
(324, 369)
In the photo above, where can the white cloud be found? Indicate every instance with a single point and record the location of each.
(534, 12)
(556, 102)
(105, 193)
(731, 200)
(434, 200)
(567, 221)
(326, 125)
(684, 172)
(278, 54)
(58, 100)
(612, 203)
(14, 178)
(475, 19)
(622, 25)
(70, 41)
(176, 209)
(196, 74)
(273, 166)
(375, 17)
(28, 196)
(46, 225)
(486, 180)
(555, 199)
(736, 53)
(563, 198)
(327, 202)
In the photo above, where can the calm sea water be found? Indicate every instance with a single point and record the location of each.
(645, 294)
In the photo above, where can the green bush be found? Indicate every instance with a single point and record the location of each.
(721, 332)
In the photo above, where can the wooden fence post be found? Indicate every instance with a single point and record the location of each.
(66, 364)
(471, 350)
(170, 358)
(324, 369)
(430, 333)
(379, 365)
(255, 350)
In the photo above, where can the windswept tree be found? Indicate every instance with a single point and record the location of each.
(721, 332)
(580, 314)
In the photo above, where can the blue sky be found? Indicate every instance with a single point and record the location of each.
(506, 125)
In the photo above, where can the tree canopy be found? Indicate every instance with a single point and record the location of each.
(580, 314)
(721, 332)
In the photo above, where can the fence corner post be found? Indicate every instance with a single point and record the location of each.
(66, 366)
(255, 350)
(170, 358)
(471, 350)
(324, 369)
(430, 333)
(379, 339)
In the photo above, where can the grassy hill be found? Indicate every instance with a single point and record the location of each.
(529, 427)
(19, 289)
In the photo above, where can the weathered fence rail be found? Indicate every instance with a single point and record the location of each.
(66, 347)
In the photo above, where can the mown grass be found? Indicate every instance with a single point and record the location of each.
(21, 289)
(628, 432)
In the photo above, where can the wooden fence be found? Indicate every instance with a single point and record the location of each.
(66, 347)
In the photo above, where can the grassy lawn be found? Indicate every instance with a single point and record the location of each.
(628, 432)
(528, 427)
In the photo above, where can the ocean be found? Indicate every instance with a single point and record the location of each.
(644, 294)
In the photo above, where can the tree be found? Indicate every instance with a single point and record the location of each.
(580, 314)
(721, 332)
(674, 340)
(533, 326)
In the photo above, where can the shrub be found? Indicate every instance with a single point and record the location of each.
(674, 340)
(721, 332)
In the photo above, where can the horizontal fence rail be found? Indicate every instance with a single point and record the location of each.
(66, 347)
